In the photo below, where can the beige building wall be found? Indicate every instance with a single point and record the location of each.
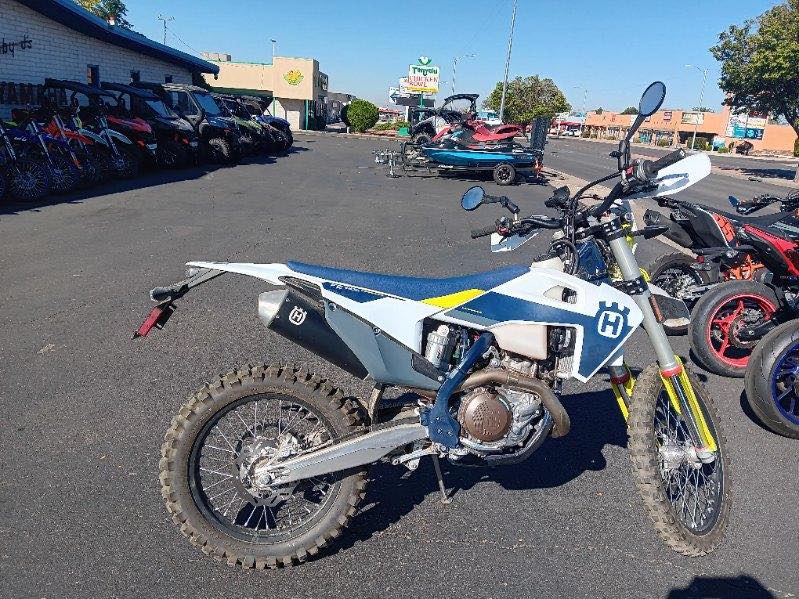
(776, 138)
(291, 81)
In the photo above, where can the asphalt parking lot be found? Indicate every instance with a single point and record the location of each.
(84, 407)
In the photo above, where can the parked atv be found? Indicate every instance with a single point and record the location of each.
(253, 138)
(259, 110)
(220, 142)
(176, 138)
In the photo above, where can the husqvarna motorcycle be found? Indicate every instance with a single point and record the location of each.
(266, 465)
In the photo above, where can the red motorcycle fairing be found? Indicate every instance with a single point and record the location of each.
(778, 253)
(53, 130)
(134, 124)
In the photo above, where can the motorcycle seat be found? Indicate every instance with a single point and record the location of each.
(763, 220)
(415, 288)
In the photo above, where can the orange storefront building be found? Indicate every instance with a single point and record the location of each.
(677, 126)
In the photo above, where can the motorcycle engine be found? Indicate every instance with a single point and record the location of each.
(495, 419)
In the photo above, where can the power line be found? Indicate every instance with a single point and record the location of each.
(195, 50)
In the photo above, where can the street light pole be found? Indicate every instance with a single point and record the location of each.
(273, 51)
(507, 65)
(585, 107)
(165, 19)
(455, 65)
(701, 98)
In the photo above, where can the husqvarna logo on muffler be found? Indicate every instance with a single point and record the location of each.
(612, 320)
(297, 316)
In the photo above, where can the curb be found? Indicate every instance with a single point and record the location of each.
(345, 135)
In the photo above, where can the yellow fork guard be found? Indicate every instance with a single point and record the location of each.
(685, 384)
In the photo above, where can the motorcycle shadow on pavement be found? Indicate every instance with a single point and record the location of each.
(147, 178)
(740, 587)
(394, 492)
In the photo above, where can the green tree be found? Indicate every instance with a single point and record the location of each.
(599, 110)
(361, 115)
(528, 98)
(108, 9)
(760, 63)
(630, 110)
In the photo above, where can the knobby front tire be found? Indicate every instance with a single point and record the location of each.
(665, 509)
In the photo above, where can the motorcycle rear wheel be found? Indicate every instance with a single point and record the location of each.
(657, 434)
(196, 468)
(718, 318)
(772, 384)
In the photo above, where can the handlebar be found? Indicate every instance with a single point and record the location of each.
(648, 169)
(505, 201)
(485, 231)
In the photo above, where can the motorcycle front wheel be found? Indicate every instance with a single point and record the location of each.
(687, 500)
(675, 274)
(772, 380)
(252, 414)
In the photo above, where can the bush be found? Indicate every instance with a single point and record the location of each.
(700, 144)
(361, 115)
(664, 143)
(796, 147)
(723, 150)
(391, 126)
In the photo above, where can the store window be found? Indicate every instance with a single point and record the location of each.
(93, 74)
(135, 76)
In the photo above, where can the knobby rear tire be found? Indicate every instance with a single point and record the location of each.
(343, 413)
(644, 457)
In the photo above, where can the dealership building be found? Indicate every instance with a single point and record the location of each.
(61, 40)
(295, 87)
(725, 128)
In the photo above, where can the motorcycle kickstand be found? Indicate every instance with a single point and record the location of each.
(445, 499)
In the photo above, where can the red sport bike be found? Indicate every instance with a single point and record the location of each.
(730, 318)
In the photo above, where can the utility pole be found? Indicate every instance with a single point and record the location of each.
(507, 65)
(701, 98)
(273, 51)
(455, 65)
(165, 19)
(585, 107)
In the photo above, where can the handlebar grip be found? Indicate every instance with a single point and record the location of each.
(158, 294)
(651, 168)
(484, 231)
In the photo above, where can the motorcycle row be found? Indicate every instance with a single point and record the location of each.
(97, 133)
(743, 287)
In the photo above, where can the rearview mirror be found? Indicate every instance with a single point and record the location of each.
(652, 99)
(472, 198)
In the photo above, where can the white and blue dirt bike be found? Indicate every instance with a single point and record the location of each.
(267, 465)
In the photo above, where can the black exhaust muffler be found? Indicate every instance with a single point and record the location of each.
(302, 321)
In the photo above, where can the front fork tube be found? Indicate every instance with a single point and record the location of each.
(675, 378)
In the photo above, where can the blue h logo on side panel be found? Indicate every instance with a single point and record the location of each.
(611, 322)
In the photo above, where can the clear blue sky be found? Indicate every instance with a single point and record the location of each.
(611, 48)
